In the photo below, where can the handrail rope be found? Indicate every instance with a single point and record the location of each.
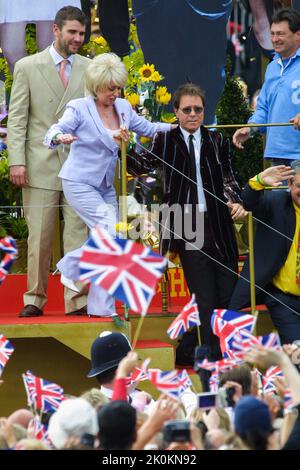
(224, 266)
(41, 205)
(250, 124)
(211, 194)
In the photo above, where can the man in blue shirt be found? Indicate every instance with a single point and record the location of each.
(279, 99)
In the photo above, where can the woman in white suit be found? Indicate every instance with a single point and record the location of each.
(94, 125)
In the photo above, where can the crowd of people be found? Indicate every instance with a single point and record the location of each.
(114, 417)
(73, 101)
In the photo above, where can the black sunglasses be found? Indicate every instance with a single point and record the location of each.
(188, 109)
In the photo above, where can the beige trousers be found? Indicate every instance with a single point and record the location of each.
(40, 209)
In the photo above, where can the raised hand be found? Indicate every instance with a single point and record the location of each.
(240, 137)
(274, 175)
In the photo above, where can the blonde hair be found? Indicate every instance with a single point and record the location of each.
(31, 444)
(105, 70)
(95, 397)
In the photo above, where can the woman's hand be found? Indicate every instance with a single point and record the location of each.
(121, 134)
(66, 139)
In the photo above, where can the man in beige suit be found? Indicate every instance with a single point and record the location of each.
(43, 84)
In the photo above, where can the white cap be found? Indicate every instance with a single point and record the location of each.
(74, 417)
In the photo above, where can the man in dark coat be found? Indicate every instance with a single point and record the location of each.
(201, 192)
(276, 249)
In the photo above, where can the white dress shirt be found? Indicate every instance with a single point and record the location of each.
(197, 147)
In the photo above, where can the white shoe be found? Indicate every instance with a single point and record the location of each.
(68, 283)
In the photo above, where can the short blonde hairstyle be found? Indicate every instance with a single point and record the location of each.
(105, 70)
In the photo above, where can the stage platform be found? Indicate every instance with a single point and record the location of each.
(57, 347)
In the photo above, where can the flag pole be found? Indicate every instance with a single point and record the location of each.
(225, 126)
(123, 224)
(126, 309)
(123, 187)
(137, 333)
(251, 264)
(198, 334)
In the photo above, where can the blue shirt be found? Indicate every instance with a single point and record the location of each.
(279, 101)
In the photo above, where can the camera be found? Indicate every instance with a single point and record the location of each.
(208, 400)
(222, 399)
(177, 431)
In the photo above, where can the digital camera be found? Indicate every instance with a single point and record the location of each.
(177, 431)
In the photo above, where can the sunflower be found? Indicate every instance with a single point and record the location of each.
(133, 99)
(161, 90)
(101, 41)
(123, 227)
(156, 76)
(146, 71)
(162, 96)
(168, 118)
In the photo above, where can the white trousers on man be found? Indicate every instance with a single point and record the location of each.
(94, 206)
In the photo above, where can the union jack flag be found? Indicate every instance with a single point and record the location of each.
(234, 338)
(270, 341)
(236, 319)
(126, 270)
(8, 245)
(226, 333)
(188, 317)
(38, 431)
(165, 381)
(184, 381)
(288, 400)
(245, 340)
(42, 395)
(139, 374)
(6, 350)
(269, 379)
(219, 366)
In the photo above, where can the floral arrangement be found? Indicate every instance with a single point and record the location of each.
(95, 46)
(144, 92)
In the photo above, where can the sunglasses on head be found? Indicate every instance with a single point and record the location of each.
(188, 109)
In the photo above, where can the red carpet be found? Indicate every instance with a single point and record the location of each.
(14, 286)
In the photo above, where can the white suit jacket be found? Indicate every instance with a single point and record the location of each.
(92, 158)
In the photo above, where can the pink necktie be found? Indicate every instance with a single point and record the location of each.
(62, 72)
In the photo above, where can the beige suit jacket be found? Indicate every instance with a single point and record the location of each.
(38, 100)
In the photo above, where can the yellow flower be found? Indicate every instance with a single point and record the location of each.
(162, 96)
(165, 99)
(133, 98)
(123, 227)
(145, 140)
(156, 76)
(146, 71)
(101, 41)
(161, 90)
(169, 118)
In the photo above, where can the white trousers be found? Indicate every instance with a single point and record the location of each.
(94, 206)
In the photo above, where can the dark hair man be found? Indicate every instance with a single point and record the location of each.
(201, 190)
(279, 98)
(43, 84)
